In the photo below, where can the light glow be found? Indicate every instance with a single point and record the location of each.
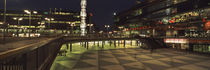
(83, 15)
(176, 40)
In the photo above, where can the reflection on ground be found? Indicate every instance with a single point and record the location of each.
(128, 58)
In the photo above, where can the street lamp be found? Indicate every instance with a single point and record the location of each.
(121, 30)
(72, 27)
(107, 26)
(49, 19)
(90, 27)
(18, 22)
(30, 13)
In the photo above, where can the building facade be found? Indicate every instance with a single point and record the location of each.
(42, 21)
(170, 19)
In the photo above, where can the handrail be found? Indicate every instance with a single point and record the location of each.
(26, 48)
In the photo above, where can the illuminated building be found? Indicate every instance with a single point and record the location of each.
(61, 23)
(171, 19)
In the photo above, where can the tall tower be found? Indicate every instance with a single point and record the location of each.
(83, 15)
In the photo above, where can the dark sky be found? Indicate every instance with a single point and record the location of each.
(102, 9)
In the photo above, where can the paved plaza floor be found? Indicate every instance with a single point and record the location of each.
(131, 59)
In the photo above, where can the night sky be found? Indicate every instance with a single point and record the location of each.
(102, 9)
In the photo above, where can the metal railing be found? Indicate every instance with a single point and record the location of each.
(37, 56)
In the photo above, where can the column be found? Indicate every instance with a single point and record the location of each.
(115, 43)
(110, 43)
(70, 46)
(98, 43)
(124, 43)
(131, 42)
(118, 42)
(87, 45)
(67, 45)
(103, 44)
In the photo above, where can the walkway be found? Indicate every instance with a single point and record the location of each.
(131, 59)
(20, 44)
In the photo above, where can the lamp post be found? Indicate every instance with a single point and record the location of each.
(72, 28)
(30, 13)
(90, 27)
(18, 24)
(107, 27)
(4, 23)
(49, 19)
(120, 31)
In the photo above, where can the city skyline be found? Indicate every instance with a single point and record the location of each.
(102, 10)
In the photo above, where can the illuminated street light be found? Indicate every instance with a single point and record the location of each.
(107, 27)
(35, 12)
(120, 30)
(72, 27)
(49, 19)
(18, 22)
(90, 27)
(30, 13)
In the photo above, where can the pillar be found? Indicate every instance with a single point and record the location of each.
(67, 45)
(118, 42)
(137, 43)
(82, 44)
(87, 45)
(103, 44)
(98, 43)
(131, 42)
(115, 43)
(124, 43)
(94, 43)
(110, 43)
(70, 46)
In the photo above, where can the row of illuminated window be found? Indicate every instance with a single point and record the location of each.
(163, 4)
(188, 16)
(63, 22)
(16, 15)
(201, 48)
(21, 26)
(62, 13)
